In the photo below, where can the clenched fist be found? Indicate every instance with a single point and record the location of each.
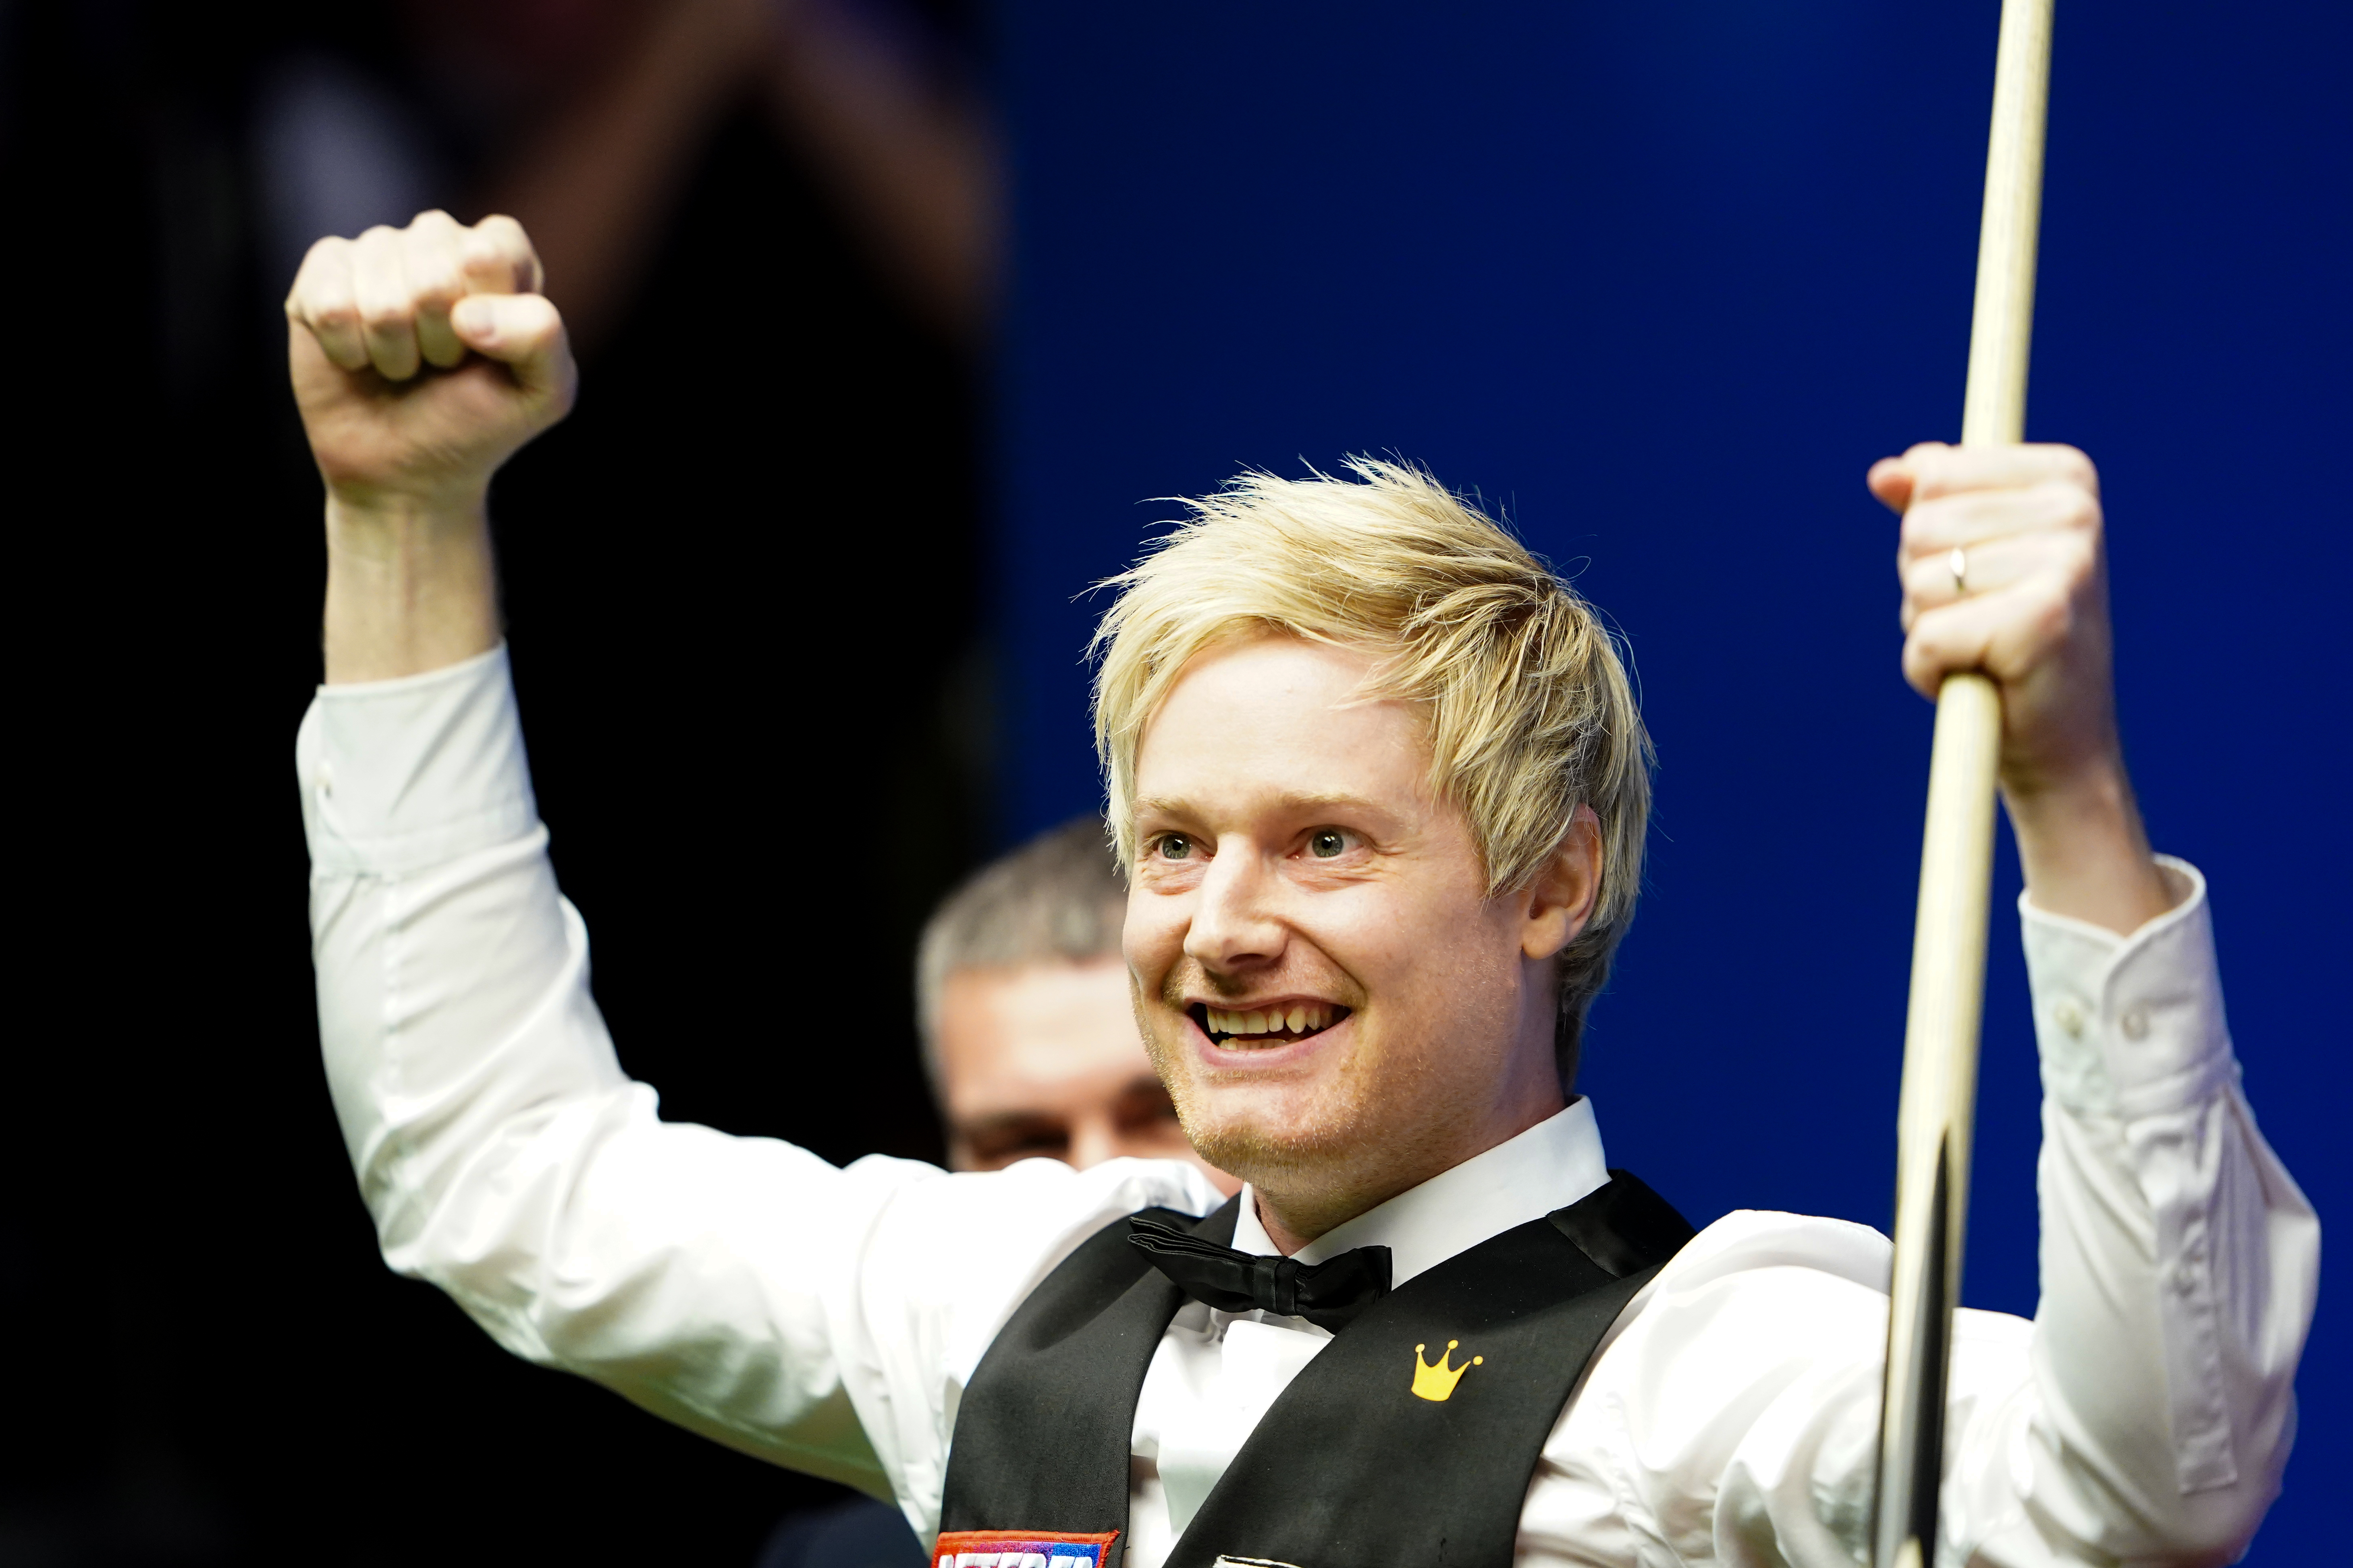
(423, 357)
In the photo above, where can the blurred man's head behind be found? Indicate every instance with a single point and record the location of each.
(1028, 1033)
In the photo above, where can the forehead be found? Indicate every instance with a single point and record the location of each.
(1004, 1032)
(1255, 723)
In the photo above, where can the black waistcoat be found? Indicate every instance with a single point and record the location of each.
(1376, 1452)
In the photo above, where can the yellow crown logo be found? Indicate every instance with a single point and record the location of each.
(1434, 1380)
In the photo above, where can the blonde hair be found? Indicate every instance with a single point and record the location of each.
(1529, 709)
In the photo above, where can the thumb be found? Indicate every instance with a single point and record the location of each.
(1893, 482)
(523, 331)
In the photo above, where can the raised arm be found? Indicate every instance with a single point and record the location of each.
(819, 1318)
(2178, 1258)
(2144, 1414)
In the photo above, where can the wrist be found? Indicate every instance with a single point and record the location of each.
(2083, 849)
(412, 586)
(375, 521)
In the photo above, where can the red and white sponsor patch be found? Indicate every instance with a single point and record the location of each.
(1021, 1549)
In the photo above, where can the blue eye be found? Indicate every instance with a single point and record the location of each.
(1325, 844)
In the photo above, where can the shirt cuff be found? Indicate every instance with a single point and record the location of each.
(399, 775)
(2129, 1025)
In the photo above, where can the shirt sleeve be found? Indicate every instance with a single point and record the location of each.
(822, 1318)
(2144, 1416)
(2179, 1261)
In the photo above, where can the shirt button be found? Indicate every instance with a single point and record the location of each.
(2136, 1023)
(2185, 1276)
(2069, 1015)
(324, 779)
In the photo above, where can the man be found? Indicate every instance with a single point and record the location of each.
(1381, 788)
(1028, 1036)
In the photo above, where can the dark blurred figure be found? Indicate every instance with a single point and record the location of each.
(791, 497)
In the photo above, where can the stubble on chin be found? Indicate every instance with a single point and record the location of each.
(1367, 1133)
(1270, 1144)
(1307, 1157)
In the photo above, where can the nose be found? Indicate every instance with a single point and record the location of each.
(1234, 924)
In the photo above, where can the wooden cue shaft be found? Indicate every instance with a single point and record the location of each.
(1935, 1121)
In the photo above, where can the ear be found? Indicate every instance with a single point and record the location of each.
(1561, 898)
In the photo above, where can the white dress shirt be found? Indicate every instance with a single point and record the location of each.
(830, 1319)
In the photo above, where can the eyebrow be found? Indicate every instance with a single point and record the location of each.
(1297, 804)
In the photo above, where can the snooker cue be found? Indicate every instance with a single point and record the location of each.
(1936, 1121)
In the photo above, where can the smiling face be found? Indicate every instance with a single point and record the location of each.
(1337, 1006)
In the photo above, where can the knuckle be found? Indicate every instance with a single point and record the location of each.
(438, 290)
(1925, 459)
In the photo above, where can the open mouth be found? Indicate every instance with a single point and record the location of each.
(1251, 1027)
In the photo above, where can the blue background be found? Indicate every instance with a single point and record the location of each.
(1659, 282)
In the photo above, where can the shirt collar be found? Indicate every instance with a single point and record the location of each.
(1549, 1166)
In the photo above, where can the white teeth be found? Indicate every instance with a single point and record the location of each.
(1299, 1018)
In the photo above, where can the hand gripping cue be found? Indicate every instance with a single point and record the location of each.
(1934, 1122)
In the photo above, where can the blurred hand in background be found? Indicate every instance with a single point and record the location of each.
(584, 119)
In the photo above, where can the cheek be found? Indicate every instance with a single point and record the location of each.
(1433, 963)
(1400, 934)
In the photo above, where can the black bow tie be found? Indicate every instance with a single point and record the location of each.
(1328, 1294)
